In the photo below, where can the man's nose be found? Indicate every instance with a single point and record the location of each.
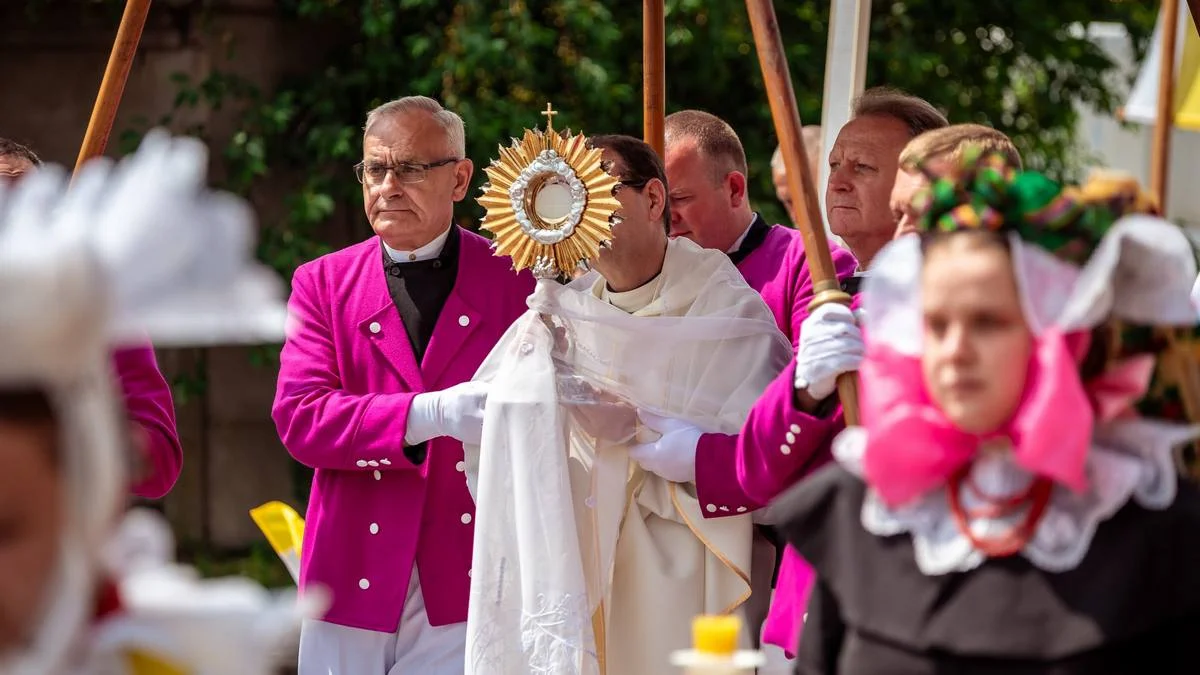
(391, 186)
(676, 218)
(839, 180)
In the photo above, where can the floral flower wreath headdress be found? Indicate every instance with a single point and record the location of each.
(1082, 257)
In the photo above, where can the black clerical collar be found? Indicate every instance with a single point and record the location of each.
(754, 238)
(853, 284)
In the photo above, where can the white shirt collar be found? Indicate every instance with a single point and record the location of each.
(738, 243)
(634, 300)
(427, 252)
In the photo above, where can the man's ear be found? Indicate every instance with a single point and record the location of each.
(462, 178)
(656, 194)
(735, 182)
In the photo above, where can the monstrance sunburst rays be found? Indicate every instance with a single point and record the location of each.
(548, 230)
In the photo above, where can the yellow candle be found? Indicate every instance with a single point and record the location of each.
(716, 635)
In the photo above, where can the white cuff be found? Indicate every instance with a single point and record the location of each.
(423, 421)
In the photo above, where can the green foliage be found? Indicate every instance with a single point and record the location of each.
(1015, 66)
(259, 563)
(192, 383)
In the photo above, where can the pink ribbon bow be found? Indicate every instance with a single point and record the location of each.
(912, 448)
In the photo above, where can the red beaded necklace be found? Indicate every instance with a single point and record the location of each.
(1035, 498)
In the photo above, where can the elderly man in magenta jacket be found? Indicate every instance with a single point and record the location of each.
(374, 393)
(146, 394)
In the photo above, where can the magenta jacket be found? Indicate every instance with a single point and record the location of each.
(149, 405)
(346, 381)
(778, 444)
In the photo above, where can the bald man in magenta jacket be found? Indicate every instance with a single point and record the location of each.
(779, 443)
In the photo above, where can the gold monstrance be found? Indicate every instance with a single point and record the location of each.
(548, 201)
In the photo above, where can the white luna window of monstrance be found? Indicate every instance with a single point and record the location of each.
(548, 201)
(552, 203)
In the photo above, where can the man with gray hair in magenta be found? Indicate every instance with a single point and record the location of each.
(862, 171)
(374, 393)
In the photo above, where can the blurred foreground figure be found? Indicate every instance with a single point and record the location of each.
(1004, 507)
(135, 249)
(145, 391)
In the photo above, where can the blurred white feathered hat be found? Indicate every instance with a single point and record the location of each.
(127, 251)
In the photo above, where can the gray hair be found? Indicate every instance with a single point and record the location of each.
(916, 113)
(811, 133)
(451, 123)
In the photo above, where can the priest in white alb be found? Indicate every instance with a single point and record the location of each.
(592, 556)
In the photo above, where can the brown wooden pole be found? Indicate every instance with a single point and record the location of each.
(1164, 120)
(654, 81)
(786, 115)
(104, 112)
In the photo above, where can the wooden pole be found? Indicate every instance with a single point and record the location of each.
(769, 44)
(1164, 120)
(654, 81)
(104, 112)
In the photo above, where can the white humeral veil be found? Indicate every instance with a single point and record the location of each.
(568, 529)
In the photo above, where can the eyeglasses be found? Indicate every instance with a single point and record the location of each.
(12, 178)
(634, 184)
(373, 175)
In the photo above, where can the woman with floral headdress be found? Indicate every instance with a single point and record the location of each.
(132, 249)
(1003, 508)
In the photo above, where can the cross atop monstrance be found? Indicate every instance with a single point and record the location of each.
(549, 201)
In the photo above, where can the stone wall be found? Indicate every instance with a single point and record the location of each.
(50, 70)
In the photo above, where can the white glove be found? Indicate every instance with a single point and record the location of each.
(673, 455)
(830, 344)
(456, 412)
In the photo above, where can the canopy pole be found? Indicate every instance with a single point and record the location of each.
(769, 44)
(654, 82)
(112, 87)
(1164, 121)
